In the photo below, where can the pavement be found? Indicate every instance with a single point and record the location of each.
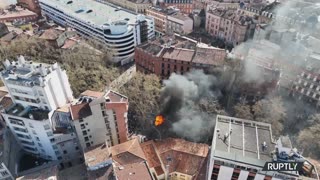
(122, 79)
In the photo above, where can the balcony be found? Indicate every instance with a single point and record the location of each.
(27, 112)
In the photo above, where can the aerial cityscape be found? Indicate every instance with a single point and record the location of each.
(160, 89)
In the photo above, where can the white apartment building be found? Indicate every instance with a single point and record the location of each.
(5, 173)
(37, 90)
(100, 118)
(120, 30)
(180, 23)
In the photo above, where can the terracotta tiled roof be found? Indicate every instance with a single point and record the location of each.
(50, 34)
(6, 102)
(179, 54)
(182, 156)
(90, 93)
(80, 111)
(132, 146)
(152, 156)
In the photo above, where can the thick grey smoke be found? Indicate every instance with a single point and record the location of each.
(181, 96)
(288, 40)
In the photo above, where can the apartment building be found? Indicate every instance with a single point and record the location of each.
(119, 29)
(240, 148)
(230, 25)
(185, 6)
(5, 173)
(100, 117)
(179, 23)
(32, 5)
(160, 16)
(38, 91)
(176, 54)
(138, 6)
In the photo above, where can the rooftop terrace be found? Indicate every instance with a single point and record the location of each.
(242, 140)
(92, 11)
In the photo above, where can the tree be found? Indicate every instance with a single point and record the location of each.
(143, 92)
(270, 111)
(308, 140)
(243, 111)
(90, 63)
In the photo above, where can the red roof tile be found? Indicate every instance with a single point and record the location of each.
(80, 111)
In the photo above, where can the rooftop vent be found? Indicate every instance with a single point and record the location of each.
(69, 2)
(89, 11)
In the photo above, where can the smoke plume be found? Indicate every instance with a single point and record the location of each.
(181, 96)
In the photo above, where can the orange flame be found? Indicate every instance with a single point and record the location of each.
(159, 120)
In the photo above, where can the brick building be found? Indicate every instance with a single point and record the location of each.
(160, 16)
(185, 6)
(17, 14)
(177, 54)
(100, 117)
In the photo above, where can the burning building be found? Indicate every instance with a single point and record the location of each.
(240, 149)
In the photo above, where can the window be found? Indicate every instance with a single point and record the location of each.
(52, 140)
(84, 133)
(86, 138)
(37, 138)
(57, 152)
(77, 148)
(82, 126)
(4, 173)
(88, 130)
(49, 133)
(54, 146)
(40, 145)
(59, 158)
(46, 127)
(65, 152)
(80, 120)
(88, 144)
(90, 136)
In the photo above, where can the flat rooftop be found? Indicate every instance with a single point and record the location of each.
(242, 140)
(96, 155)
(17, 13)
(92, 11)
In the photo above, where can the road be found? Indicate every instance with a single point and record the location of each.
(122, 79)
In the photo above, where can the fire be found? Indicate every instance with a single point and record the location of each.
(159, 120)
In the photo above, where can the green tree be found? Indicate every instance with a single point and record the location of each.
(270, 111)
(308, 140)
(143, 92)
(243, 111)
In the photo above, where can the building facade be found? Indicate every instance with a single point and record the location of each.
(176, 54)
(138, 6)
(160, 16)
(5, 173)
(185, 6)
(100, 118)
(229, 25)
(37, 90)
(32, 5)
(117, 28)
(17, 14)
(180, 23)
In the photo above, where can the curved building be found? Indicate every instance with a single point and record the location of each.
(119, 29)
